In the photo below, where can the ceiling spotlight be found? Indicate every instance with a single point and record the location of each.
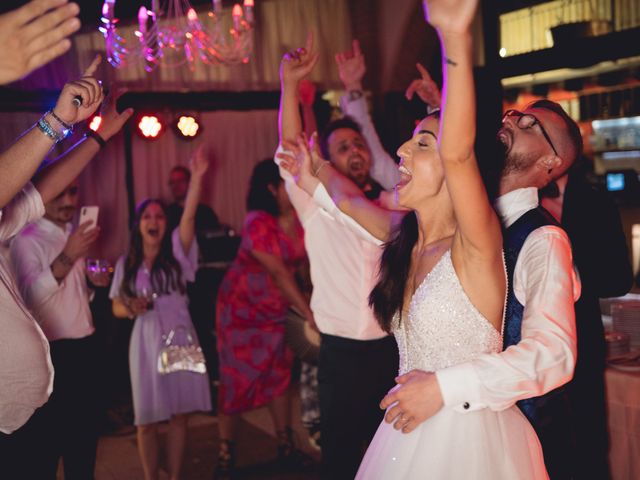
(149, 126)
(187, 126)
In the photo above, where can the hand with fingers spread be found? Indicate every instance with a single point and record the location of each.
(416, 398)
(298, 159)
(351, 67)
(425, 87)
(112, 121)
(297, 64)
(86, 87)
(35, 34)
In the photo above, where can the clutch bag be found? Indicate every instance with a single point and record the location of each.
(187, 357)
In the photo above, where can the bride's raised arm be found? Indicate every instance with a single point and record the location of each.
(479, 227)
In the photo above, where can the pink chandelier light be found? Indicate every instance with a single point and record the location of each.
(172, 35)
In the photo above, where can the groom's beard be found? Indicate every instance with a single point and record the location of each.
(518, 162)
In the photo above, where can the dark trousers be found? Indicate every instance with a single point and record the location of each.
(353, 377)
(66, 426)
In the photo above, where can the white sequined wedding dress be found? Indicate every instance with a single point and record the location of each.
(442, 329)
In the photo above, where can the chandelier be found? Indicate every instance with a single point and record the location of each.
(173, 35)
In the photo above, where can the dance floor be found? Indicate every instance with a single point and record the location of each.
(257, 449)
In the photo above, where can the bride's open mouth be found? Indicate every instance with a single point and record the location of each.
(405, 176)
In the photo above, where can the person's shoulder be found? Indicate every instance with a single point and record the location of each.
(545, 238)
(31, 234)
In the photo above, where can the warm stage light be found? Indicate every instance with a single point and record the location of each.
(187, 126)
(95, 123)
(149, 126)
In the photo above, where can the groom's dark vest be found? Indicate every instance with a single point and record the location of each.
(550, 413)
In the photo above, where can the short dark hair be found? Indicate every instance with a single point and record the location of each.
(344, 122)
(182, 169)
(572, 127)
(265, 173)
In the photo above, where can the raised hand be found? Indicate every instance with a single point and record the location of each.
(451, 16)
(199, 162)
(351, 67)
(296, 159)
(35, 34)
(297, 64)
(425, 87)
(300, 161)
(88, 88)
(112, 121)
(307, 92)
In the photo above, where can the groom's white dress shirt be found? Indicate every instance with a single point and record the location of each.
(546, 284)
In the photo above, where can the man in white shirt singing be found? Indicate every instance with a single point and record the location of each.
(358, 360)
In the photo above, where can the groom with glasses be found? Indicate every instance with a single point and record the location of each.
(527, 121)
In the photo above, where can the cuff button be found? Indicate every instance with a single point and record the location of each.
(466, 405)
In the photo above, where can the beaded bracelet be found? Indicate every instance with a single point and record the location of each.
(46, 128)
(60, 121)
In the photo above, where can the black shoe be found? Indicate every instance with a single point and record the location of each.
(289, 457)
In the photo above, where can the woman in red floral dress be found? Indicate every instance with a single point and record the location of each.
(258, 289)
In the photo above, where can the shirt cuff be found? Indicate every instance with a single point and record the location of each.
(460, 387)
(355, 108)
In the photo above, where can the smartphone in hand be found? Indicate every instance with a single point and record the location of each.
(89, 213)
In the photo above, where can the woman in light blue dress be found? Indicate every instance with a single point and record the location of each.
(149, 286)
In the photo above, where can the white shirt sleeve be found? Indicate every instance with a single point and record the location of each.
(324, 200)
(33, 272)
(384, 169)
(25, 207)
(546, 283)
(302, 202)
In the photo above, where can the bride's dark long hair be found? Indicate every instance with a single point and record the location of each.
(166, 274)
(387, 296)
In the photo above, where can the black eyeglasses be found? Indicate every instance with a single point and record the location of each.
(526, 121)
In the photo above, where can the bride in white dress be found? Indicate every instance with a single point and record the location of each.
(442, 283)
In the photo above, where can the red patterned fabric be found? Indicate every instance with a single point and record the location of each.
(255, 363)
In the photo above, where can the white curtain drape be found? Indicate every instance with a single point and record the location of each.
(235, 142)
